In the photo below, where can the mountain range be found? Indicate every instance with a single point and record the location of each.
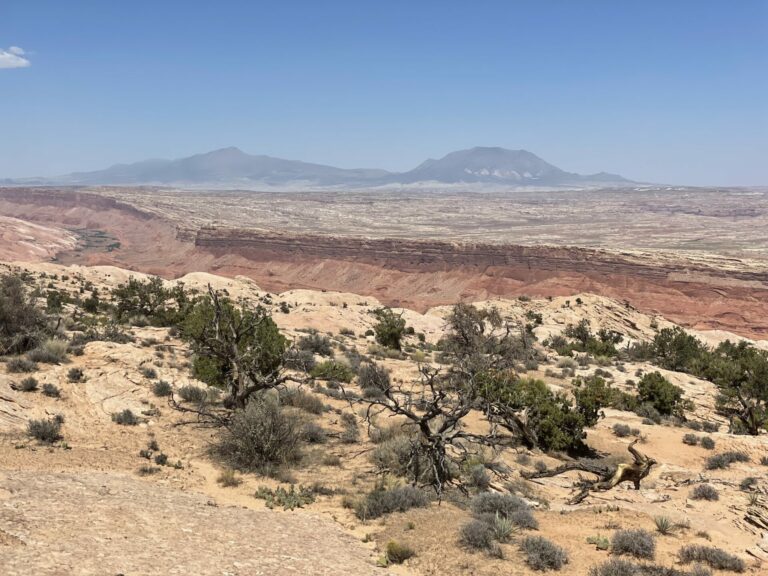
(231, 167)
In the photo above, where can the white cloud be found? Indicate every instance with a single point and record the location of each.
(13, 57)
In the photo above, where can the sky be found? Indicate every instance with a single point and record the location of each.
(670, 92)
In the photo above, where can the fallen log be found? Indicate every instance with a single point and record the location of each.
(608, 477)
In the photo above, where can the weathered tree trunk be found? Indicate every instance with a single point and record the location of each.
(608, 477)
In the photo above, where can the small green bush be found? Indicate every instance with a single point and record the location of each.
(316, 344)
(383, 501)
(20, 365)
(397, 553)
(75, 375)
(541, 554)
(51, 390)
(690, 439)
(708, 443)
(638, 543)
(713, 557)
(125, 418)
(148, 372)
(193, 394)
(50, 351)
(260, 437)
(162, 388)
(476, 535)
(331, 370)
(45, 431)
(28, 384)
(705, 492)
(313, 433)
(725, 459)
(302, 400)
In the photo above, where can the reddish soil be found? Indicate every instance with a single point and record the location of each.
(415, 274)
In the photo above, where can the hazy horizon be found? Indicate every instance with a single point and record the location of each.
(657, 92)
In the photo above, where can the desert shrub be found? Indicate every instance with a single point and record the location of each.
(302, 360)
(51, 390)
(691, 439)
(50, 351)
(713, 557)
(162, 388)
(710, 427)
(287, 499)
(476, 535)
(664, 525)
(75, 375)
(373, 379)
(313, 433)
(193, 394)
(397, 553)
(228, 479)
(350, 433)
(622, 567)
(478, 476)
(656, 390)
(389, 329)
(675, 349)
(302, 400)
(638, 543)
(542, 554)
(491, 504)
(260, 436)
(46, 431)
(382, 501)
(331, 370)
(725, 459)
(708, 443)
(704, 492)
(22, 325)
(622, 430)
(28, 384)
(126, 418)
(21, 365)
(316, 343)
(148, 372)
(748, 483)
(161, 459)
(394, 454)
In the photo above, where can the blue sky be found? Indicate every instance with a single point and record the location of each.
(672, 91)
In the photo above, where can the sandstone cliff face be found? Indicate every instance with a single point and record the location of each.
(726, 294)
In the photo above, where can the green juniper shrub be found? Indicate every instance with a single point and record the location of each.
(659, 392)
(389, 329)
(316, 344)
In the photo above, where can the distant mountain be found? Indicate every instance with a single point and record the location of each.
(225, 166)
(497, 166)
(231, 167)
